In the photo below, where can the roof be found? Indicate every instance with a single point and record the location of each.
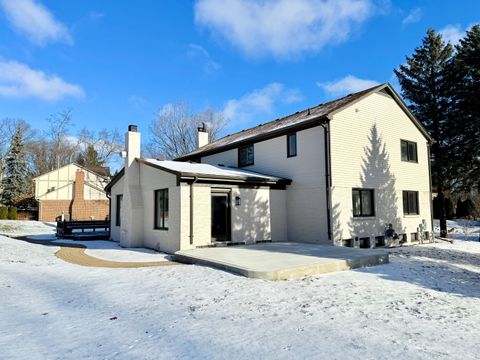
(101, 171)
(304, 118)
(204, 172)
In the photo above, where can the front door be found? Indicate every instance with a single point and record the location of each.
(221, 216)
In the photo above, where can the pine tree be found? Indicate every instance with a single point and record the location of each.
(425, 84)
(89, 157)
(466, 111)
(15, 181)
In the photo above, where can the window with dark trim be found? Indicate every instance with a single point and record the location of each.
(409, 151)
(363, 202)
(245, 155)
(161, 209)
(410, 203)
(292, 145)
(118, 209)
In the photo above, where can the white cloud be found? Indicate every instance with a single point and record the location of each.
(414, 16)
(259, 103)
(18, 80)
(453, 33)
(197, 51)
(35, 21)
(348, 84)
(283, 28)
(138, 102)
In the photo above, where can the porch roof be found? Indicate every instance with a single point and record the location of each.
(187, 170)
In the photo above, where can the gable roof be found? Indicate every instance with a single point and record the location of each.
(301, 119)
(101, 171)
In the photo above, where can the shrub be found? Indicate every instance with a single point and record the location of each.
(12, 213)
(3, 212)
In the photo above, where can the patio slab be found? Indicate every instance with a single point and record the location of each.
(282, 261)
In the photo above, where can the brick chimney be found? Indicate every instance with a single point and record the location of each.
(79, 208)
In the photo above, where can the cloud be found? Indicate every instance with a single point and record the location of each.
(453, 33)
(138, 102)
(259, 103)
(35, 21)
(19, 80)
(414, 16)
(197, 51)
(282, 28)
(348, 84)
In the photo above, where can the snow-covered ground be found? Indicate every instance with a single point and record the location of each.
(460, 229)
(423, 305)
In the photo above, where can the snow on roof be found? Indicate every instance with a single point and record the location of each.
(298, 118)
(195, 169)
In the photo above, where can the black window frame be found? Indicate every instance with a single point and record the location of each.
(410, 157)
(291, 153)
(407, 209)
(118, 209)
(248, 162)
(372, 200)
(156, 205)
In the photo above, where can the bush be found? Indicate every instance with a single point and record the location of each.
(12, 213)
(3, 212)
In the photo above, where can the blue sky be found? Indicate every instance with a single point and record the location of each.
(119, 62)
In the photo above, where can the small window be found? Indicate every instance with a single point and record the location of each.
(364, 242)
(347, 242)
(118, 209)
(379, 241)
(161, 209)
(363, 203)
(414, 236)
(410, 203)
(292, 145)
(245, 155)
(409, 151)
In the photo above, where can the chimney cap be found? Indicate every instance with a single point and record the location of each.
(202, 128)
(132, 128)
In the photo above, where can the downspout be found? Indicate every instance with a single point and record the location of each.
(109, 196)
(430, 192)
(191, 209)
(326, 133)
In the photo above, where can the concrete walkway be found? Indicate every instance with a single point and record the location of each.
(75, 254)
(281, 261)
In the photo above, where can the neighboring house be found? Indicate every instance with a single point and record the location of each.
(338, 173)
(73, 191)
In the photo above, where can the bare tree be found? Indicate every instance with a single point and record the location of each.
(106, 143)
(62, 147)
(174, 130)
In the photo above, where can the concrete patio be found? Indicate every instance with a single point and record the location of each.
(281, 261)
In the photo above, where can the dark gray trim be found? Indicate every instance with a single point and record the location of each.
(115, 179)
(155, 209)
(326, 140)
(289, 154)
(360, 190)
(246, 146)
(416, 151)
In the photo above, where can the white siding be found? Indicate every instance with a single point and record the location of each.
(305, 198)
(365, 151)
(117, 189)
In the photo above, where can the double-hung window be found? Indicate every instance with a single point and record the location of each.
(292, 145)
(245, 155)
(409, 151)
(161, 209)
(363, 202)
(410, 203)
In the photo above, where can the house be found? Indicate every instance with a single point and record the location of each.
(74, 191)
(340, 173)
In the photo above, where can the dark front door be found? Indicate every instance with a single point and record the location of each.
(221, 216)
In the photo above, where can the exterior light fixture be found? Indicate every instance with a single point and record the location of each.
(237, 201)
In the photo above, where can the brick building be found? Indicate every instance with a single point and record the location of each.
(74, 191)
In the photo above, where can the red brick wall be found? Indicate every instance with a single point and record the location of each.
(50, 209)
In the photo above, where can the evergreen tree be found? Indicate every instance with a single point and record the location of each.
(466, 111)
(89, 158)
(426, 86)
(15, 181)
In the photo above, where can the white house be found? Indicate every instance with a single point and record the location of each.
(338, 173)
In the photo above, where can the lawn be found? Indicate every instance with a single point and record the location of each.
(423, 305)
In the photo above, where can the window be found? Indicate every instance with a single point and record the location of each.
(410, 203)
(292, 145)
(363, 204)
(161, 209)
(245, 155)
(118, 209)
(409, 151)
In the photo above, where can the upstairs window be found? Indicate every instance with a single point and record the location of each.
(292, 145)
(363, 203)
(245, 155)
(410, 203)
(161, 209)
(409, 151)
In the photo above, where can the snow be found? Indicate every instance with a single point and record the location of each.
(422, 305)
(207, 169)
(460, 229)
